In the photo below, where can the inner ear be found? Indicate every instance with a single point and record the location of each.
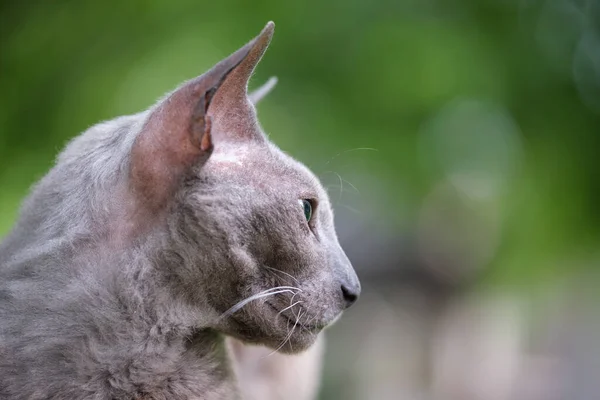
(180, 131)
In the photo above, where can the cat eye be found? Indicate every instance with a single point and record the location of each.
(307, 208)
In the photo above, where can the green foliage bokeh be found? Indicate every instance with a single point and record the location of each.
(352, 74)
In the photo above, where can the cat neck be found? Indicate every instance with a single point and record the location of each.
(169, 334)
(123, 325)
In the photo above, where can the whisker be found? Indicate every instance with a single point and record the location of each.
(331, 187)
(292, 299)
(341, 185)
(288, 307)
(311, 320)
(283, 272)
(307, 322)
(269, 292)
(307, 317)
(242, 303)
(288, 336)
(353, 187)
(341, 182)
(294, 328)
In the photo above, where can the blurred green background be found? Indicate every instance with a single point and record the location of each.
(468, 130)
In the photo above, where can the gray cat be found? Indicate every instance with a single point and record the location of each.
(157, 235)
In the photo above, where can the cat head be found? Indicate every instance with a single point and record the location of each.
(251, 229)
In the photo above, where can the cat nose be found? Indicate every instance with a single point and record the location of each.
(347, 278)
(350, 293)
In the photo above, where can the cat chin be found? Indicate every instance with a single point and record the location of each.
(281, 342)
(296, 343)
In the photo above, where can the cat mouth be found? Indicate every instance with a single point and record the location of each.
(296, 320)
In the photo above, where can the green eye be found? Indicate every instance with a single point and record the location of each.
(307, 207)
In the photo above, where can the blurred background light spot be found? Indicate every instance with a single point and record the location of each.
(457, 235)
(475, 144)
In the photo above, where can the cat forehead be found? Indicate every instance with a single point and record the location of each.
(262, 163)
(234, 156)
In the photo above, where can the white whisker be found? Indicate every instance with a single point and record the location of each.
(341, 185)
(341, 181)
(288, 336)
(353, 187)
(307, 318)
(288, 307)
(283, 272)
(309, 322)
(294, 328)
(269, 292)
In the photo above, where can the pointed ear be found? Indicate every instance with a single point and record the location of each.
(232, 112)
(258, 94)
(179, 131)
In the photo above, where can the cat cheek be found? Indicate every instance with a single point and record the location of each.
(303, 226)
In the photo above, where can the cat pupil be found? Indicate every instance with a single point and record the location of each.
(307, 206)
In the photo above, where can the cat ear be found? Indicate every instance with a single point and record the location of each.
(258, 94)
(231, 110)
(180, 130)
